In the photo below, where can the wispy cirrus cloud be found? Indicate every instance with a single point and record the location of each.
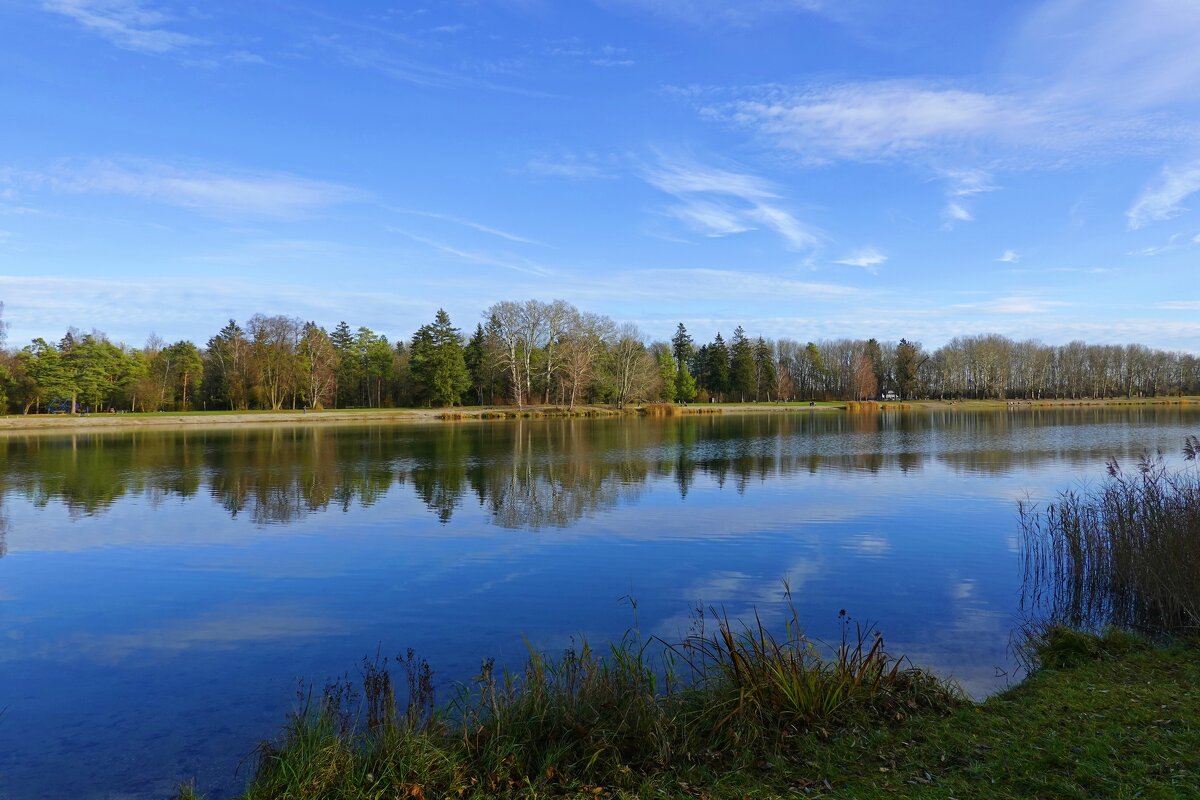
(204, 190)
(1009, 257)
(1164, 200)
(876, 120)
(717, 202)
(128, 24)
(207, 191)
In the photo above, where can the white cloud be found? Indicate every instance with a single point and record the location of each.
(128, 24)
(1010, 257)
(1181, 305)
(1164, 200)
(210, 192)
(956, 212)
(868, 258)
(878, 120)
(717, 202)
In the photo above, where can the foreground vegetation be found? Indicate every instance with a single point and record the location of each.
(1107, 715)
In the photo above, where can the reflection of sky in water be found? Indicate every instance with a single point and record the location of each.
(153, 634)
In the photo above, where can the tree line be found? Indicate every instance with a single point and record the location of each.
(534, 352)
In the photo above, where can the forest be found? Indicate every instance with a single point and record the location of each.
(552, 353)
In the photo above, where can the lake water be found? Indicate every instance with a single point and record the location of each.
(161, 593)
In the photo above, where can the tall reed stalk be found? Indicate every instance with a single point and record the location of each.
(1126, 553)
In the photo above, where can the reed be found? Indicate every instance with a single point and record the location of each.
(660, 410)
(1126, 553)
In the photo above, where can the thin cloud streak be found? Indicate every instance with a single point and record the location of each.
(512, 237)
(128, 24)
(513, 263)
(220, 194)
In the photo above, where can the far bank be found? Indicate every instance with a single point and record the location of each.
(218, 419)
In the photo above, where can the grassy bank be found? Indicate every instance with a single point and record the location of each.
(1108, 716)
(190, 419)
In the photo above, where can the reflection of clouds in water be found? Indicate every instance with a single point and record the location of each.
(963, 589)
(869, 545)
(741, 595)
(219, 629)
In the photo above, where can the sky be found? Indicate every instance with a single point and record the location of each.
(804, 168)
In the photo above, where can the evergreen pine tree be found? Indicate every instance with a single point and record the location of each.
(439, 371)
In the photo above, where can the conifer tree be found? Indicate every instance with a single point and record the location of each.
(439, 371)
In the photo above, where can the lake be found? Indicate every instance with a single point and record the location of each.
(163, 593)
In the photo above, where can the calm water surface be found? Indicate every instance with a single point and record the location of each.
(161, 593)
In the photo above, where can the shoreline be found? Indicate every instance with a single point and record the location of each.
(219, 419)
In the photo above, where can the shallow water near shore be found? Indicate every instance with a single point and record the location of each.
(162, 592)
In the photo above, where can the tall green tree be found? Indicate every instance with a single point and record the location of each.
(764, 369)
(49, 372)
(685, 385)
(436, 362)
(667, 371)
(349, 374)
(185, 372)
(716, 367)
(908, 361)
(741, 366)
(682, 346)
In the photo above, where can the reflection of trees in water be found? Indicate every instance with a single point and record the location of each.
(530, 474)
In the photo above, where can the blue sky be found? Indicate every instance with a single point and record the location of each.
(805, 168)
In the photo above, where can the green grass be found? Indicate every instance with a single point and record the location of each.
(1109, 716)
